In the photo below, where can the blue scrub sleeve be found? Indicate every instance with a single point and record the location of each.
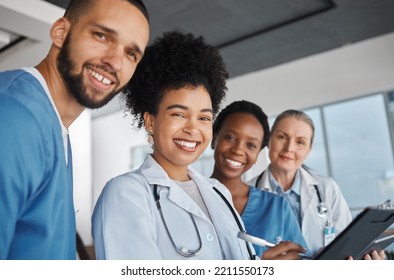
(21, 166)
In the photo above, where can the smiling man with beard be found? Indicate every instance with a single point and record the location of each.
(95, 49)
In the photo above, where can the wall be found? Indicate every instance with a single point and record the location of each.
(81, 139)
(113, 138)
(31, 19)
(343, 73)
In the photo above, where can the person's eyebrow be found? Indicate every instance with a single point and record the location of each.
(177, 106)
(255, 139)
(207, 110)
(115, 33)
(106, 29)
(297, 137)
(183, 107)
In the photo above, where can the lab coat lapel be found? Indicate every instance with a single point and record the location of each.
(308, 193)
(156, 175)
(183, 200)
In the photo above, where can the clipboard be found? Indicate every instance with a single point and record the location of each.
(378, 244)
(358, 235)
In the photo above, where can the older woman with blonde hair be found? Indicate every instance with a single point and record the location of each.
(317, 201)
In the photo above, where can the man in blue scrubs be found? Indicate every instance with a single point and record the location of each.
(95, 49)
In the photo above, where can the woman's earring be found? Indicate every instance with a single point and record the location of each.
(150, 138)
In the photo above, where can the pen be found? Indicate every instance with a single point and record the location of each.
(262, 242)
(255, 240)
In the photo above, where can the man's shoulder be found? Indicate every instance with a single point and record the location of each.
(21, 93)
(25, 109)
(17, 77)
(7, 74)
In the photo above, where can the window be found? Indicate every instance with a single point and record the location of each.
(360, 150)
(317, 159)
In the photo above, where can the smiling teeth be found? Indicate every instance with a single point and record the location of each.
(234, 163)
(99, 77)
(186, 144)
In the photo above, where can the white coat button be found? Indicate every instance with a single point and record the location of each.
(209, 237)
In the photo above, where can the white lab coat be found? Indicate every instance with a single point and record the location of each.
(312, 225)
(127, 224)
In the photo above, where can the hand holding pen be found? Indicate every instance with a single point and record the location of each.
(285, 250)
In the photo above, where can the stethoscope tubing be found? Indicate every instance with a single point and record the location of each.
(194, 252)
(189, 252)
(241, 228)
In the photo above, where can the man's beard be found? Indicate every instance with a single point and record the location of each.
(74, 83)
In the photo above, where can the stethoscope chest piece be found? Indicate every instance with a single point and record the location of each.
(322, 210)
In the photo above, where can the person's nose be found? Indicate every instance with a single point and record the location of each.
(238, 148)
(114, 58)
(289, 146)
(191, 128)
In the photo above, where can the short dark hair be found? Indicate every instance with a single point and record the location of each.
(247, 107)
(174, 61)
(76, 8)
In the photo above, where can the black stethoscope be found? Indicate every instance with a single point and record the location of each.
(185, 252)
(321, 208)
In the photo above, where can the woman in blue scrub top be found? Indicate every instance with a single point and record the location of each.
(240, 132)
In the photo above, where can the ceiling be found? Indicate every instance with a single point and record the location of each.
(256, 34)
(251, 35)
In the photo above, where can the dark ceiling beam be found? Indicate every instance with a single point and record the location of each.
(330, 5)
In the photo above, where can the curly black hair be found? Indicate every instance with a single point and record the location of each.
(248, 107)
(174, 61)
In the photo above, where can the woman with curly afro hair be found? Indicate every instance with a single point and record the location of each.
(165, 209)
(172, 62)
